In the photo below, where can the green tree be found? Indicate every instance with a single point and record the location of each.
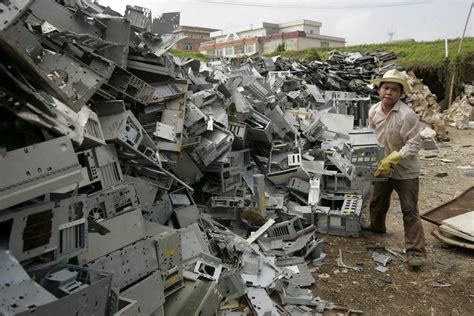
(280, 48)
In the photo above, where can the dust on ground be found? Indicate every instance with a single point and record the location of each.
(400, 291)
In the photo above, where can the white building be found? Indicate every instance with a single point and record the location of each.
(265, 37)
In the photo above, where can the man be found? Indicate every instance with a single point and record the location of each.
(397, 129)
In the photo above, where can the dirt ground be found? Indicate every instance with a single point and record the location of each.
(445, 286)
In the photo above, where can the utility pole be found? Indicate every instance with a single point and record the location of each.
(451, 87)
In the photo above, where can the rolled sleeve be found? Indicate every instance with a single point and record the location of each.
(410, 133)
(371, 116)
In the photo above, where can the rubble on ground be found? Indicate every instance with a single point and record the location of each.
(425, 104)
(460, 113)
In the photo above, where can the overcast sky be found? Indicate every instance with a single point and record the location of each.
(359, 21)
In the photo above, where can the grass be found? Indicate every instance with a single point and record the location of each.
(410, 54)
(186, 54)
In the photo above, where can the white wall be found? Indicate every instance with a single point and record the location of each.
(305, 42)
(301, 27)
(309, 29)
(292, 28)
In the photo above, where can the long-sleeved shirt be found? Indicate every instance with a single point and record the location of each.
(398, 131)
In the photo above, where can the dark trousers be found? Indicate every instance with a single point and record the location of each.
(407, 191)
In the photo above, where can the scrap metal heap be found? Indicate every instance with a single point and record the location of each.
(135, 183)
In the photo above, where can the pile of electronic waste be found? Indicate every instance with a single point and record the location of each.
(136, 183)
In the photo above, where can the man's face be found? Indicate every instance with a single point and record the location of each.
(389, 93)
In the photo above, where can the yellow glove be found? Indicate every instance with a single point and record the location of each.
(385, 164)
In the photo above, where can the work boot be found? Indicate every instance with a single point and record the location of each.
(374, 230)
(415, 262)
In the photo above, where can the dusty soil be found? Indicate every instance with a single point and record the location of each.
(401, 291)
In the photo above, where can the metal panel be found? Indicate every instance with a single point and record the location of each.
(118, 31)
(64, 19)
(148, 293)
(100, 245)
(100, 169)
(168, 253)
(161, 211)
(64, 76)
(202, 298)
(213, 144)
(174, 115)
(231, 285)
(128, 264)
(193, 242)
(90, 298)
(112, 202)
(38, 169)
(125, 129)
(17, 290)
(34, 230)
(186, 169)
(124, 85)
(260, 302)
(186, 215)
(11, 11)
(127, 307)
(344, 221)
(258, 271)
(72, 238)
(139, 17)
(140, 150)
(146, 192)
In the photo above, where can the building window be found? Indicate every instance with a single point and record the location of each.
(311, 32)
(290, 44)
(229, 51)
(188, 46)
(250, 48)
(219, 52)
(239, 49)
(267, 47)
(324, 44)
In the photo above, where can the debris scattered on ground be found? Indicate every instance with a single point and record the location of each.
(381, 269)
(440, 284)
(383, 281)
(340, 263)
(460, 112)
(382, 259)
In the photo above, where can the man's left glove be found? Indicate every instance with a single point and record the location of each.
(385, 164)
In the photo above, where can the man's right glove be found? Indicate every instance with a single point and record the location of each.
(385, 164)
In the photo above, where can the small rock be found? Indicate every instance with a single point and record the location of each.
(447, 160)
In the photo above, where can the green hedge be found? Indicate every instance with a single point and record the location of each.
(410, 54)
(186, 54)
